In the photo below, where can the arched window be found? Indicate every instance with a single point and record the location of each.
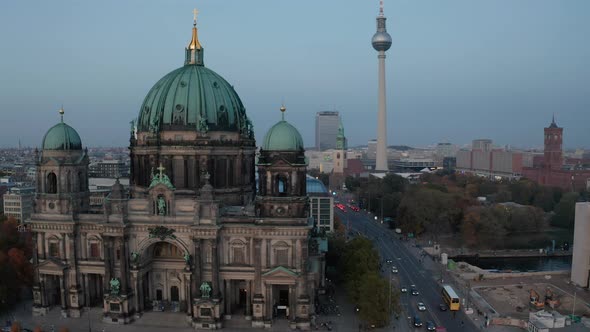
(174, 294)
(282, 185)
(51, 183)
(166, 250)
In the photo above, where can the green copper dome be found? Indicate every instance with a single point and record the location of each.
(193, 97)
(62, 137)
(283, 137)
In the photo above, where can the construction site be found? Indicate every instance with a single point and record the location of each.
(518, 300)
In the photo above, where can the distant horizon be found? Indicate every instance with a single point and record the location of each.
(457, 69)
(414, 147)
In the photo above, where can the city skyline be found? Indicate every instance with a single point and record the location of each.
(502, 78)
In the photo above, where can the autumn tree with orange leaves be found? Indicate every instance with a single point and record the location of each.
(16, 250)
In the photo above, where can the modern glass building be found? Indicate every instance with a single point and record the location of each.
(321, 204)
(326, 130)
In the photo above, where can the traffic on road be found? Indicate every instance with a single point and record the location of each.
(421, 294)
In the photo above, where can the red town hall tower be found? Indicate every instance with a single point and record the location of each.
(553, 146)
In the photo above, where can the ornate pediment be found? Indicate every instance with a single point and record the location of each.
(281, 272)
(161, 179)
(52, 264)
(161, 232)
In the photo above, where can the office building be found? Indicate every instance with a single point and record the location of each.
(326, 130)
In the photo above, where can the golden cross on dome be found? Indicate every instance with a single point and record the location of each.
(195, 13)
(161, 169)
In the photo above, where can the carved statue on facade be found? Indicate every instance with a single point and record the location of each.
(203, 126)
(132, 123)
(115, 286)
(205, 290)
(134, 257)
(187, 258)
(161, 206)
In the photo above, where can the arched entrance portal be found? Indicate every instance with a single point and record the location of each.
(164, 280)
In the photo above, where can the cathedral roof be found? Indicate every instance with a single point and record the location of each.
(193, 97)
(282, 137)
(62, 137)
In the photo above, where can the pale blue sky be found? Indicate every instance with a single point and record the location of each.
(457, 69)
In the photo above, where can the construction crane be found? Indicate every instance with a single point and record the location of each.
(535, 300)
(551, 299)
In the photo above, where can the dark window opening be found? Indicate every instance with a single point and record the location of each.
(51, 183)
(94, 250)
(174, 294)
(54, 249)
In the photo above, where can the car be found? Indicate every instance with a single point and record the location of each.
(393, 269)
(389, 261)
(404, 289)
(417, 321)
(421, 306)
(430, 326)
(443, 307)
(415, 292)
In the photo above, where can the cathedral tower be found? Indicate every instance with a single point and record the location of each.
(281, 174)
(62, 172)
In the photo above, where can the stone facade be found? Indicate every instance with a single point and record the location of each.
(190, 236)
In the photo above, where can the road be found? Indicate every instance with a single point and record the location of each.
(411, 272)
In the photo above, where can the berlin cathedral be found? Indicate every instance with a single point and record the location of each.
(210, 227)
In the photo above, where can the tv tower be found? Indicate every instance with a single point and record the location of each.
(381, 42)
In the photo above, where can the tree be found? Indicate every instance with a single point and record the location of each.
(373, 302)
(394, 183)
(565, 211)
(352, 183)
(423, 209)
(359, 257)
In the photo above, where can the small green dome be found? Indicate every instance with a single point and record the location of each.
(62, 137)
(283, 137)
(192, 97)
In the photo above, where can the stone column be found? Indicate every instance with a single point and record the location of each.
(135, 283)
(62, 251)
(83, 246)
(43, 246)
(249, 298)
(214, 269)
(268, 250)
(107, 264)
(257, 268)
(35, 259)
(86, 290)
(67, 250)
(140, 294)
(269, 301)
(196, 277)
(187, 294)
(292, 302)
(62, 290)
(227, 296)
(123, 262)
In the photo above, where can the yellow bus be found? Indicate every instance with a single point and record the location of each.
(451, 298)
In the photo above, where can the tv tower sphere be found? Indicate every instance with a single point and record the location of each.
(381, 41)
